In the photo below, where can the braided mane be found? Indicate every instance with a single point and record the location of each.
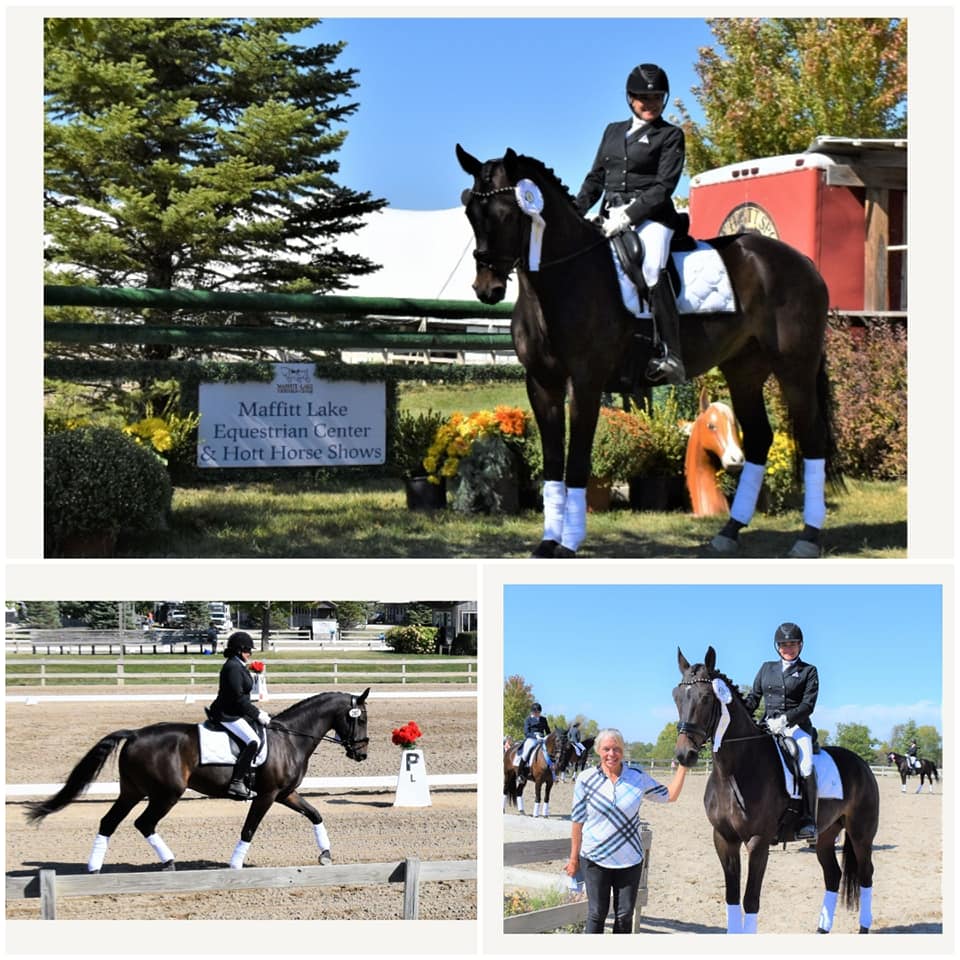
(541, 170)
(735, 690)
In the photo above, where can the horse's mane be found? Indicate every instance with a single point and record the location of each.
(309, 702)
(541, 172)
(737, 695)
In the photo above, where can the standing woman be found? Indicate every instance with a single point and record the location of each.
(637, 168)
(605, 846)
(234, 709)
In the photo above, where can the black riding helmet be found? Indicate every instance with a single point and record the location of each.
(237, 642)
(648, 78)
(787, 632)
(537, 707)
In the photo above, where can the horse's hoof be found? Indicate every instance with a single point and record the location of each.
(170, 865)
(325, 858)
(804, 550)
(563, 553)
(544, 549)
(864, 929)
(92, 872)
(821, 930)
(724, 546)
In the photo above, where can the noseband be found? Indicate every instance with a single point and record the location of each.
(695, 730)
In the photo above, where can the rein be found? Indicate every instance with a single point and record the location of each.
(688, 728)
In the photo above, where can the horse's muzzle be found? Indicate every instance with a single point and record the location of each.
(489, 289)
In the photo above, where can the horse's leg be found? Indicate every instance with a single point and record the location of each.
(111, 820)
(537, 793)
(545, 810)
(758, 850)
(294, 801)
(826, 854)
(728, 850)
(547, 405)
(858, 870)
(258, 808)
(745, 380)
(584, 410)
(158, 807)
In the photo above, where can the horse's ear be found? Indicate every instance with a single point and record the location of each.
(682, 662)
(704, 401)
(469, 163)
(363, 696)
(510, 164)
(710, 660)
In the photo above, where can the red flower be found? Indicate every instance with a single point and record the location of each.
(407, 735)
(257, 666)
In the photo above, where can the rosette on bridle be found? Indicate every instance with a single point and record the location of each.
(530, 201)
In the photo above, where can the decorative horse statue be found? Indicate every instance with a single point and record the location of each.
(713, 443)
(571, 332)
(161, 761)
(926, 769)
(544, 759)
(747, 801)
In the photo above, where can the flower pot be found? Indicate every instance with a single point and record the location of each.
(599, 494)
(657, 493)
(424, 495)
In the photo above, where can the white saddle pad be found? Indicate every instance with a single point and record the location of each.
(704, 283)
(218, 747)
(829, 784)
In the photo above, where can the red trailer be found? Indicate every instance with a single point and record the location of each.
(842, 203)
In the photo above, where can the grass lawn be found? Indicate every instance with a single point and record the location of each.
(282, 520)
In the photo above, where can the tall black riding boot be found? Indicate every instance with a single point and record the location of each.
(807, 827)
(238, 789)
(663, 305)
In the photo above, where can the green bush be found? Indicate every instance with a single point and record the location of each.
(412, 639)
(464, 644)
(868, 374)
(99, 481)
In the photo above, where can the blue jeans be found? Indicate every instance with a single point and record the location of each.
(622, 882)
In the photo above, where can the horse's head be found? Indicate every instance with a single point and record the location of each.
(697, 706)
(716, 431)
(891, 758)
(498, 223)
(350, 725)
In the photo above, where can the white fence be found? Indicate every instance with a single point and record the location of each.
(47, 885)
(48, 671)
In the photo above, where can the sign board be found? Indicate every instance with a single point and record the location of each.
(296, 420)
(324, 630)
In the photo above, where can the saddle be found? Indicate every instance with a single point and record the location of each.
(220, 746)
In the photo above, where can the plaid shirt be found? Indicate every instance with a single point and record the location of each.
(610, 814)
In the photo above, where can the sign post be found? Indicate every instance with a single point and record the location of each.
(412, 788)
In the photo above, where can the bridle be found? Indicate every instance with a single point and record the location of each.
(350, 745)
(503, 265)
(693, 729)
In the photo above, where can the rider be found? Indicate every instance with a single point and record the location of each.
(637, 168)
(573, 736)
(912, 755)
(789, 688)
(534, 728)
(234, 710)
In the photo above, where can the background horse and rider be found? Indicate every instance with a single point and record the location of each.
(543, 763)
(572, 333)
(161, 761)
(748, 804)
(926, 769)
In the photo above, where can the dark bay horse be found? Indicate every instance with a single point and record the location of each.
(926, 769)
(544, 759)
(747, 803)
(162, 760)
(572, 332)
(573, 761)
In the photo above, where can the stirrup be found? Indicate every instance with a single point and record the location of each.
(238, 790)
(667, 369)
(807, 831)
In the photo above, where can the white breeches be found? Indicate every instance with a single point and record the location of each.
(655, 238)
(242, 729)
(805, 743)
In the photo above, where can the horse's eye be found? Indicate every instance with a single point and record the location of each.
(465, 196)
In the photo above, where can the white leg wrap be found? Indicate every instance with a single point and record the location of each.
(575, 518)
(320, 832)
(98, 852)
(814, 502)
(239, 855)
(827, 910)
(163, 851)
(536, 809)
(749, 923)
(866, 907)
(520, 804)
(554, 499)
(545, 810)
(734, 918)
(504, 802)
(748, 490)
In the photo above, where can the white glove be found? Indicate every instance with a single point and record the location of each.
(616, 222)
(777, 724)
(264, 718)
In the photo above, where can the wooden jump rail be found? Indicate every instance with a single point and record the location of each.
(558, 848)
(48, 885)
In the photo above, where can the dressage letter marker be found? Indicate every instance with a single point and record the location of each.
(412, 788)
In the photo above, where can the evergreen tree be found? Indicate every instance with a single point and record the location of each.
(102, 615)
(42, 614)
(770, 86)
(197, 152)
(196, 614)
(352, 613)
(418, 615)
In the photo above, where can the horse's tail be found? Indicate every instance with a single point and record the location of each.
(849, 879)
(933, 767)
(828, 410)
(82, 775)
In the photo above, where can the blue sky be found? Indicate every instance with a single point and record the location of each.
(544, 86)
(610, 651)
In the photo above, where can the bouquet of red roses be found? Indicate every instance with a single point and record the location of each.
(407, 735)
(257, 666)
